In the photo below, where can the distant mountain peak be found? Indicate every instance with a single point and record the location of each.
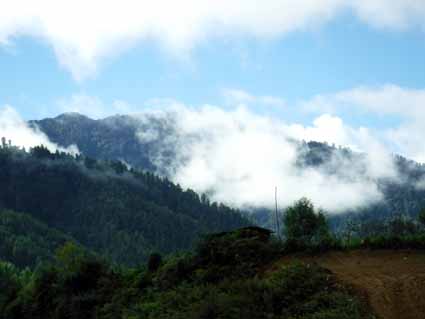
(71, 115)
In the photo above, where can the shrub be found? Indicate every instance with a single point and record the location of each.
(306, 227)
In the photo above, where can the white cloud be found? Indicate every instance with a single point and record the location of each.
(241, 97)
(326, 128)
(387, 99)
(407, 105)
(83, 33)
(394, 14)
(14, 128)
(332, 130)
(239, 157)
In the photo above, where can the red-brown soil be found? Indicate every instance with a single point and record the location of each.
(394, 281)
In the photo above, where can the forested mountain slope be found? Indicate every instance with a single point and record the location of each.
(403, 195)
(25, 241)
(113, 138)
(124, 215)
(118, 138)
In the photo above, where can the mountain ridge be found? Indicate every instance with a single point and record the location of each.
(118, 138)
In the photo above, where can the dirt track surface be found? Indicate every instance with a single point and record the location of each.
(393, 280)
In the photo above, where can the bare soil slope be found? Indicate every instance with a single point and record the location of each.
(393, 280)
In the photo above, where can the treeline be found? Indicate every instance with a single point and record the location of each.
(308, 229)
(121, 213)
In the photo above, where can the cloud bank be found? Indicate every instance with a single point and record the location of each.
(83, 33)
(238, 157)
(15, 129)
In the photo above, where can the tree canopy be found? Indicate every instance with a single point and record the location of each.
(124, 214)
(304, 225)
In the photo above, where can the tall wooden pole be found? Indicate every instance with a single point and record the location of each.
(276, 214)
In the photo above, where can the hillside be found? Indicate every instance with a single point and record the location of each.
(223, 278)
(149, 142)
(25, 241)
(121, 214)
(393, 280)
(113, 138)
(244, 273)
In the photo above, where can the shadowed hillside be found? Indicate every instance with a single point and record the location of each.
(120, 213)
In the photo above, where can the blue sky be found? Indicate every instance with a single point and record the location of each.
(360, 61)
(340, 55)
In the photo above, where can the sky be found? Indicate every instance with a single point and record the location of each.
(335, 69)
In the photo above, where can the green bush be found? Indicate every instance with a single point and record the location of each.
(304, 226)
(294, 291)
(227, 278)
(395, 242)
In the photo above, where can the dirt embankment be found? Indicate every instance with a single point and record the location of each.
(393, 280)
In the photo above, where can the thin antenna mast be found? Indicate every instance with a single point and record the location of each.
(276, 214)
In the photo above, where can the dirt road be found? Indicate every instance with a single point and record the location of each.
(393, 280)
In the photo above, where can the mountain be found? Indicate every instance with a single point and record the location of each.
(124, 215)
(402, 195)
(112, 138)
(151, 143)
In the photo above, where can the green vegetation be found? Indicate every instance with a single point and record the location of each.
(25, 241)
(119, 213)
(117, 137)
(229, 276)
(112, 138)
(305, 227)
(397, 232)
(99, 240)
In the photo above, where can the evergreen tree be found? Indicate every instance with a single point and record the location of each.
(303, 225)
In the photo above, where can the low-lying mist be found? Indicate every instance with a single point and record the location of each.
(13, 128)
(238, 157)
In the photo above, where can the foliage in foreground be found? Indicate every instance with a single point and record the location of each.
(307, 230)
(227, 277)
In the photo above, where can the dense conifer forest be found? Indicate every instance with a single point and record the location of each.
(123, 214)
